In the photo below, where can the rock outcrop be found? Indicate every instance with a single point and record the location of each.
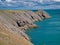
(13, 24)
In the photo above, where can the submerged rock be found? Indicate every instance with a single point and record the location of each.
(14, 23)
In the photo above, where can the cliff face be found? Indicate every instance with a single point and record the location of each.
(13, 24)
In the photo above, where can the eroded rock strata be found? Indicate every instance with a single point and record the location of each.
(13, 24)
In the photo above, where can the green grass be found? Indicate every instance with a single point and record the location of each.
(1, 43)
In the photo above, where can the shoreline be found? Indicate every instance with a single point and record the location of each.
(17, 22)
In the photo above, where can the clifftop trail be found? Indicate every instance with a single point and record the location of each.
(13, 24)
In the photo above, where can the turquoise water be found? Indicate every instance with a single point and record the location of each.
(48, 31)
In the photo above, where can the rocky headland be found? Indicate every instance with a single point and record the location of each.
(14, 23)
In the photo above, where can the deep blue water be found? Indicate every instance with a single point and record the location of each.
(48, 31)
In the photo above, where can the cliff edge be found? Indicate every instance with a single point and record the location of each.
(13, 24)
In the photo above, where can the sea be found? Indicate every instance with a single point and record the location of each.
(48, 30)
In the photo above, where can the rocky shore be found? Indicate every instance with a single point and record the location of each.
(14, 23)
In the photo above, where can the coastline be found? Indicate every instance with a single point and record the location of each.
(15, 23)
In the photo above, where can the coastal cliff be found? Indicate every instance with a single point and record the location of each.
(14, 23)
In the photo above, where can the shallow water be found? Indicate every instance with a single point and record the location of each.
(48, 31)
